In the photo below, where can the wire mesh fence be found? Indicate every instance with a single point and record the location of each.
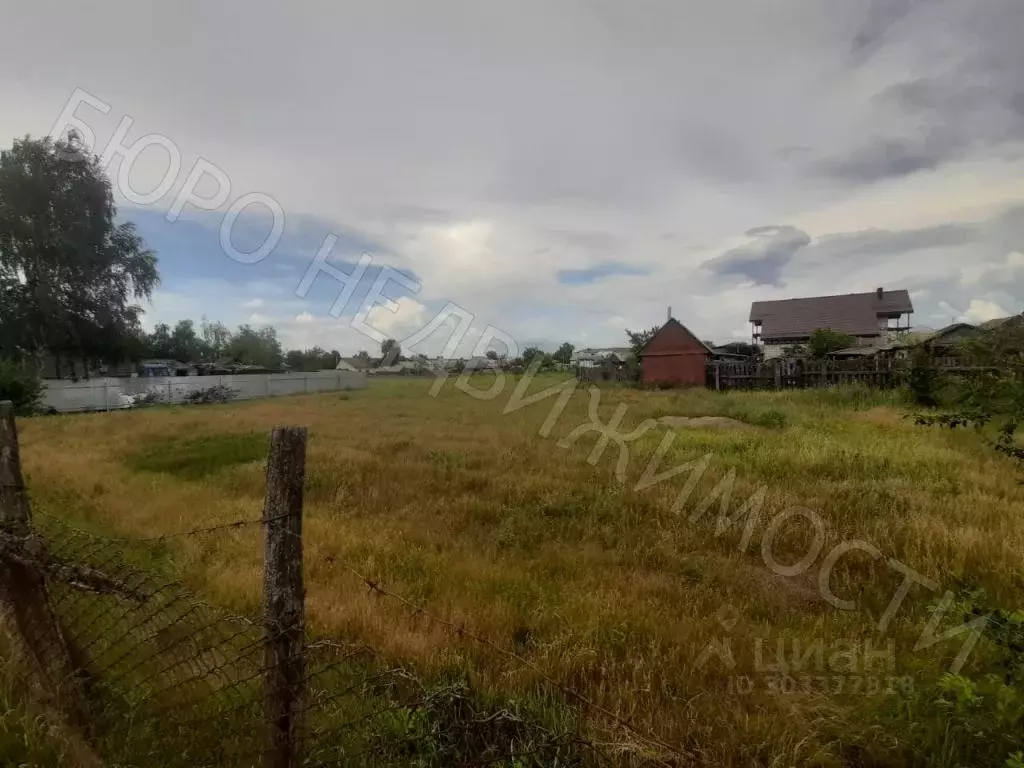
(189, 678)
(152, 675)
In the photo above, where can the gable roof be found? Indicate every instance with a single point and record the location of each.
(950, 330)
(672, 321)
(1010, 322)
(355, 363)
(853, 313)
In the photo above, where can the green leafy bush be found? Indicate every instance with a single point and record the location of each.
(21, 386)
(975, 717)
(824, 341)
(991, 395)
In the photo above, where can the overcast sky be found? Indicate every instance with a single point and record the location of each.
(561, 170)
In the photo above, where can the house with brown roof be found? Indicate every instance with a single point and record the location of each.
(871, 318)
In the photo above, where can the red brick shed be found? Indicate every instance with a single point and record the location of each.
(675, 356)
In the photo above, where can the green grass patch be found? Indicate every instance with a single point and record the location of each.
(27, 736)
(198, 457)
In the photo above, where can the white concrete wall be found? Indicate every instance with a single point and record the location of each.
(110, 393)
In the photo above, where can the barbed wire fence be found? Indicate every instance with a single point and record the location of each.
(149, 674)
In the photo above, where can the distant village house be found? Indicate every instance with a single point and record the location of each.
(590, 358)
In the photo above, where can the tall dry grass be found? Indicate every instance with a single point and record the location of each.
(607, 589)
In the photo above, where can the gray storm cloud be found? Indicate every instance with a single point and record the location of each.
(764, 259)
(491, 148)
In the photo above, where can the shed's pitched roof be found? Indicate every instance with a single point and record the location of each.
(853, 313)
(672, 321)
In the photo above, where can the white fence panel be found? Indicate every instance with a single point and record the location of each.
(111, 394)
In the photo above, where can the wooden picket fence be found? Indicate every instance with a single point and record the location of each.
(798, 373)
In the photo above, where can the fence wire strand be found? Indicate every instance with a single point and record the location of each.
(460, 630)
(156, 651)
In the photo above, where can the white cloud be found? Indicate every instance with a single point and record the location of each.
(399, 321)
(981, 310)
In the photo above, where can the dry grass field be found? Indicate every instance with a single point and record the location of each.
(615, 591)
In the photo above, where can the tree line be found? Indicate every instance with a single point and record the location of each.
(215, 343)
(548, 360)
(73, 279)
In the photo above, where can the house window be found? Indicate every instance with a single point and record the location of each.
(889, 323)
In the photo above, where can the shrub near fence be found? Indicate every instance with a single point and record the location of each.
(150, 675)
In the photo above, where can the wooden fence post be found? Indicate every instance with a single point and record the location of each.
(284, 597)
(24, 599)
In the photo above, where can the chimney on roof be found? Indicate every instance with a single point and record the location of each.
(881, 293)
(669, 314)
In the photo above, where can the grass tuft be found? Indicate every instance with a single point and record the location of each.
(198, 457)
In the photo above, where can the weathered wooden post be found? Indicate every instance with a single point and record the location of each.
(15, 513)
(283, 597)
(24, 600)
